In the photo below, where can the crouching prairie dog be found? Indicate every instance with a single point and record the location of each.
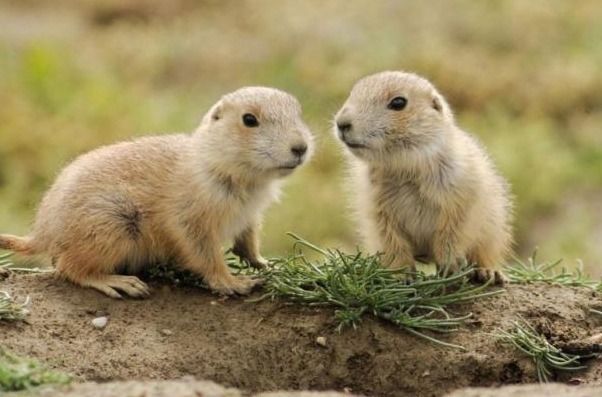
(424, 188)
(172, 197)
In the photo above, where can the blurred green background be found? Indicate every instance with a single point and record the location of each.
(524, 76)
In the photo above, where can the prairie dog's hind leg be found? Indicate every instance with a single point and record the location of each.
(110, 284)
(93, 249)
(246, 247)
(87, 272)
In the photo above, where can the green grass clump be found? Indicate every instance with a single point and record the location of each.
(546, 356)
(529, 272)
(10, 310)
(20, 373)
(358, 285)
(172, 274)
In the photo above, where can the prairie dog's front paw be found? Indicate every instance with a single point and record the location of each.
(481, 275)
(247, 255)
(231, 285)
(259, 262)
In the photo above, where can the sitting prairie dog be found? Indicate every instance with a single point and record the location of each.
(172, 197)
(425, 188)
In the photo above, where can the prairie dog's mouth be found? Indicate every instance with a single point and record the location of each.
(355, 145)
(290, 165)
(285, 170)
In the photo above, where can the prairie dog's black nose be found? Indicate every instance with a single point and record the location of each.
(299, 150)
(344, 126)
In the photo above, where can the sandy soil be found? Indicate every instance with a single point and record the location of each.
(268, 346)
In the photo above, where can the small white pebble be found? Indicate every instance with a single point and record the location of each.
(320, 340)
(166, 332)
(100, 322)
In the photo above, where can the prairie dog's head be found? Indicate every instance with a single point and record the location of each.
(256, 130)
(392, 113)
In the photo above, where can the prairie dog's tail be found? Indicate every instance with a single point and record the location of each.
(19, 245)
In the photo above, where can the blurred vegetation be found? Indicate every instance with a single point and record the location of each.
(524, 76)
(23, 373)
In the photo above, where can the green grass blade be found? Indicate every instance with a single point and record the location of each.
(545, 355)
(528, 272)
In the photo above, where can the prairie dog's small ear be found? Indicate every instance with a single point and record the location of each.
(214, 114)
(441, 106)
(437, 104)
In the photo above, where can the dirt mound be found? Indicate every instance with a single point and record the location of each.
(269, 345)
(194, 388)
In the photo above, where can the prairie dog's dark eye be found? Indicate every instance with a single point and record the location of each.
(397, 103)
(249, 120)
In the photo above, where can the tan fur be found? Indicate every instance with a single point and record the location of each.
(425, 188)
(172, 197)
